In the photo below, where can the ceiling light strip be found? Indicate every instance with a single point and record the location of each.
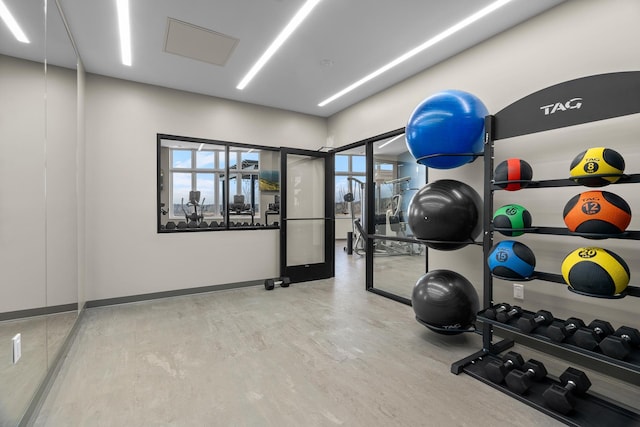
(432, 41)
(125, 31)
(11, 22)
(282, 37)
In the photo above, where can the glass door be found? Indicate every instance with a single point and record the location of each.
(307, 230)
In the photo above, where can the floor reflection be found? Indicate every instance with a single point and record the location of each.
(41, 337)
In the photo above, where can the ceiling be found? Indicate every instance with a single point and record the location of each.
(339, 43)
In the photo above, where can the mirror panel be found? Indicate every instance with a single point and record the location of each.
(38, 296)
(22, 158)
(397, 177)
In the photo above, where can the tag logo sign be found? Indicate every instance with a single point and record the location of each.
(572, 104)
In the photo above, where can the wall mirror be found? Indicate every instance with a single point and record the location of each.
(38, 236)
(206, 185)
(397, 263)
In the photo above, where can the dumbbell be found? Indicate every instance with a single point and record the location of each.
(284, 282)
(505, 316)
(620, 343)
(542, 317)
(496, 370)
(491, 313)
(589, 337)
(559, 333)
(519, 380)
(562, 398)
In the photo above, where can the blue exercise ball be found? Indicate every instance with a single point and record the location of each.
(448, 122)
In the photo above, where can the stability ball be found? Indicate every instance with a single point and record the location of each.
(448, 212)
(448, 122)
(445, 302)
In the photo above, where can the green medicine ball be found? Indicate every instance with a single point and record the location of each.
(514, 217)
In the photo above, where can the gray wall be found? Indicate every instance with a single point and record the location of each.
(38, 184)
(125, 254)
(575, 39)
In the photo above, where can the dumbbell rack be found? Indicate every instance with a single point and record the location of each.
(588, 411)
(610, 95)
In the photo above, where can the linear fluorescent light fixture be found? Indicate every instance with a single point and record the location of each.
(275, 45)
(416, 50)
(391, 140)
(11, 22)
(125, 31)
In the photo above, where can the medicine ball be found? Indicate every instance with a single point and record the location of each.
(595, 271)
(588, 167)
(448, 122)
(445, 301)
(513, 170)
(514, 217)
(512, 260)
(446, 211)
(598, 212)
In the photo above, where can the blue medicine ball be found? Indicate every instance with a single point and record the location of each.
(448, 122)
(512, 260)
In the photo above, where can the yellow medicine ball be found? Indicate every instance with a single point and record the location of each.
(595, 271)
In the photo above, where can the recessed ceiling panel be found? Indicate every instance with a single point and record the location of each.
(198, 43)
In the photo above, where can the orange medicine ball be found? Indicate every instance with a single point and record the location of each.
(597, 212)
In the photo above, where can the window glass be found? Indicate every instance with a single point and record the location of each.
(350, 173)
(359, 164)
(181, 159)
(341, 163)
(205, 159)
(205, 184)
(222, 159)
(250, 160)
(233, 159)
(180, 187)
(195, 187)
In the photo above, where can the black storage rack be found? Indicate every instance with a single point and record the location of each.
(610, 95)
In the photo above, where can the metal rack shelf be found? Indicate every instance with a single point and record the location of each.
(609, 98)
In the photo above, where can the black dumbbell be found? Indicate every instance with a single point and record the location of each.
(559, 333)
(519, 380)
(496, 370)
(542, 317)
(562, 398)
(505, 316)
(589, 337)
(269, 284)
(491, 313)
(620, 343)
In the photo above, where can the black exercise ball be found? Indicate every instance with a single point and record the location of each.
(445, 301)
(446, 211)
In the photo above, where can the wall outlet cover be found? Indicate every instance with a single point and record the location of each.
(518, 291)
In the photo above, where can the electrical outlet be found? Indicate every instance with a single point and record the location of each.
(518, 291)
(17, 347)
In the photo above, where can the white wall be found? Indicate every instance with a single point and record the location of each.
(575, 39)
(125, 254)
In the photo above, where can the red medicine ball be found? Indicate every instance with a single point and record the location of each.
(516, 170)
(597, 212)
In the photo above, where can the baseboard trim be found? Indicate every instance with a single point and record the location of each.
(169, 294)
(40, 311)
